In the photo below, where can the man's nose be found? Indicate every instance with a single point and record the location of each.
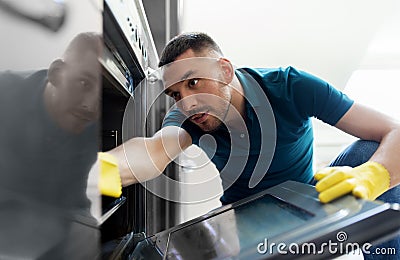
(90, 103)
(188, 102)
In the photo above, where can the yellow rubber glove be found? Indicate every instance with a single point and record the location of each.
(367, 181)
(110, 180)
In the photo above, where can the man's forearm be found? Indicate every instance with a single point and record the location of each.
(137, 161)
(388, 154)
(141, 159)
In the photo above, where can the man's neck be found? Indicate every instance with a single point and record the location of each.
(50, 104)
(48, 99)
(237, 111)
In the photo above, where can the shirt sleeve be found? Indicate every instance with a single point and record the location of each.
(314, 97)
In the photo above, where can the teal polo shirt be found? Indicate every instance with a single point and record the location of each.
(278, 143)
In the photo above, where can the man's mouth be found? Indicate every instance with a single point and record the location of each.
(83, 116)
(199, 117)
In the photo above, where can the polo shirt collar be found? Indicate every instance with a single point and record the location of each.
(251, 88)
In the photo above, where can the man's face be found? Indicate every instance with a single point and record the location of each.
(79, 91)
(199, 90)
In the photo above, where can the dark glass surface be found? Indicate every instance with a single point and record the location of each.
(235, 230)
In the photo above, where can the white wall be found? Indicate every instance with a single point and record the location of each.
(329, 38)
(28, 46)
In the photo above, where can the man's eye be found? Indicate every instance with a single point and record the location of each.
(83, 83)
(175, 95)
(86, 83)
(193, 82)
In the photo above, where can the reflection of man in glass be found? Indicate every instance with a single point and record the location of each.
(48, 142)
(72, 92)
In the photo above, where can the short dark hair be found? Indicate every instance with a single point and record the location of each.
(196, 41)
(83, 42)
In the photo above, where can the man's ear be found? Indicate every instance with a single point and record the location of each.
(227, 70)
(55, 71)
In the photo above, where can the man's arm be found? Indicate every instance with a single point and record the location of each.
(374, 177)
(368, 124)
(141, 159)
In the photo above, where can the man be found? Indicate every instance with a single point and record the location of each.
(213, 99)
(48, 143)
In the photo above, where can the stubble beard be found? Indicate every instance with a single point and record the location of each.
(215, 121)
